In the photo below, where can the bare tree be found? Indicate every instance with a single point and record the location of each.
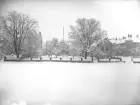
(86, 32)
(16, 26)
(54, 42)
(48, 48)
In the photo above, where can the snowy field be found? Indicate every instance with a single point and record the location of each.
(49, 83)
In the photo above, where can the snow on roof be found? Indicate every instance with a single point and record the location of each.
(136, 40)
(119, 41)
(19, 103)
(93, 44)
(116, 41)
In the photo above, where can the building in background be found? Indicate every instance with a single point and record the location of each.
(118, 47)
(106, 47)
(127, 47)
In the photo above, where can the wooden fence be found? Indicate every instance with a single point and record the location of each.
(70, 59)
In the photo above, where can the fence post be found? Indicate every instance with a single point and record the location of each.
(71, 59)
(81, 59)
(92, 59)
(5, 58)
(50, 58)
(120, 59)
(132, 59)
(98, 59)
(40, 58)
(109, 59)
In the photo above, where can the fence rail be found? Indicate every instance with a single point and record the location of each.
(67, 59)
(135, 59)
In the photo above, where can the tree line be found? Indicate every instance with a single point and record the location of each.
(20, 32)
(81, 37)
(18, 27)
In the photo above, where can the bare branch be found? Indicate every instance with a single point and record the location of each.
(85, 31)
(5, 25)
(17, 26)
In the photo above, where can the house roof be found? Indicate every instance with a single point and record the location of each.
(93, 44)
(136, 40)
(116, 41)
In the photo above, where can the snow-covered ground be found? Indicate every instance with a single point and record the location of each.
(71, 83)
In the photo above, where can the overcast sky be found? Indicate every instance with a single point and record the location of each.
(118, 17)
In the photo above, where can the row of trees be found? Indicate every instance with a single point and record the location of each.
(84, 36)
(119, 47)
(56, 47)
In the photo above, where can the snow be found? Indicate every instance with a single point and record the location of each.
(71, 83)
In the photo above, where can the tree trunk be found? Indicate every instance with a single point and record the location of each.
(85, 54)
(17, 55)
(17, 52)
